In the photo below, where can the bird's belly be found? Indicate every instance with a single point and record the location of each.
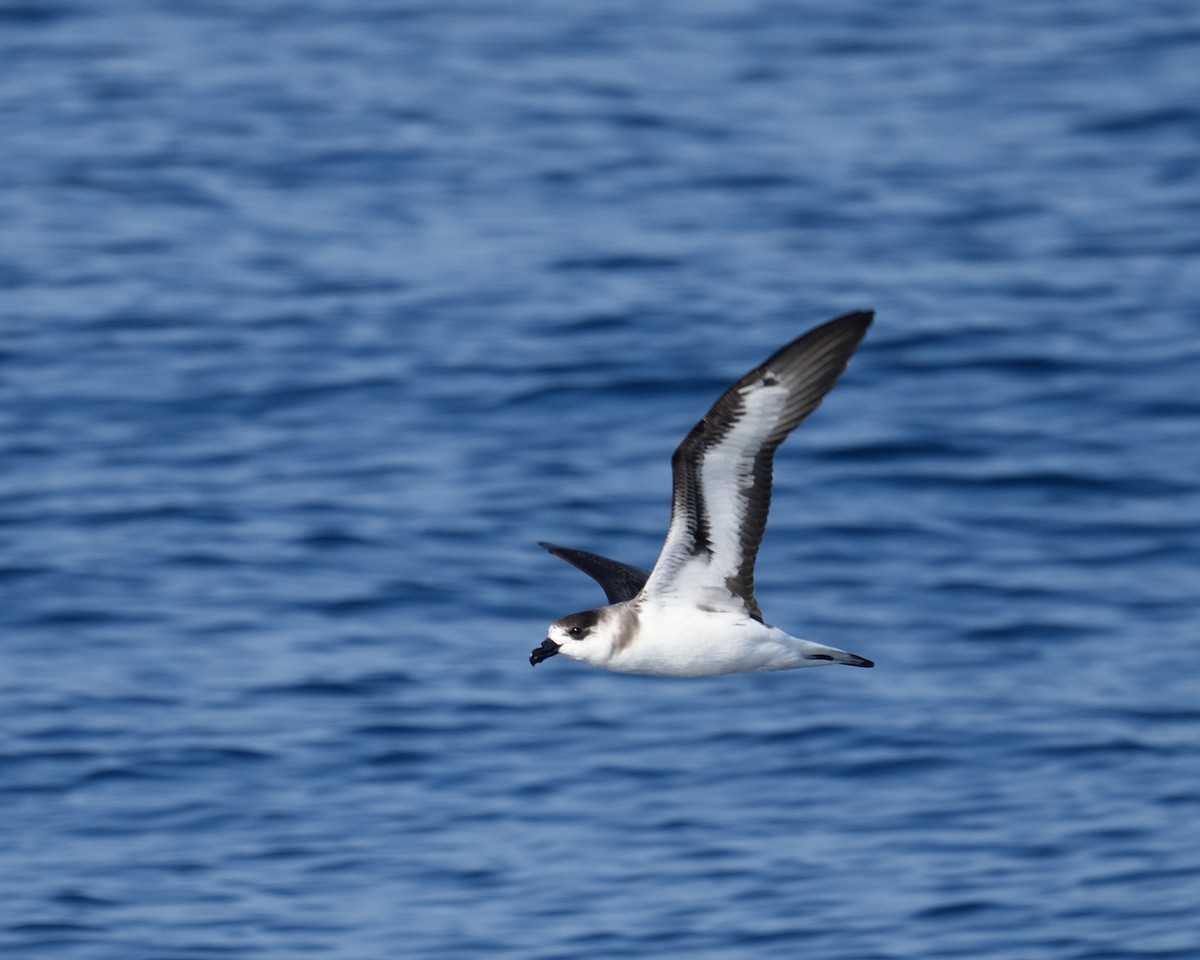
(683, 643)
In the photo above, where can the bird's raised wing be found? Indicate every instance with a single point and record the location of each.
(722, 470)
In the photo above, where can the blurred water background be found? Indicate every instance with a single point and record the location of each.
(316, 315)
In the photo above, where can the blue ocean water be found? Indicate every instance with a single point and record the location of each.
(316, 315)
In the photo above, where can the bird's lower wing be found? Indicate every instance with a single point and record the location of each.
(619, 581)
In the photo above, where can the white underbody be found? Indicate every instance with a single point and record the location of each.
(682, 640)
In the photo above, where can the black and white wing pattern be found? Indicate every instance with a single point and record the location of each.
(619, 581)
(722, 470)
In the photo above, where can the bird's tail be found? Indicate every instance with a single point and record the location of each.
(840, 656)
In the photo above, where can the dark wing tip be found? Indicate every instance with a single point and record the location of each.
(857, 321)
(820, 355)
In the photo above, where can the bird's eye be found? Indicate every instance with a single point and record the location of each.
(575, 631)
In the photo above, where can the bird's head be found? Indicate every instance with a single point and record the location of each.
(578, 635)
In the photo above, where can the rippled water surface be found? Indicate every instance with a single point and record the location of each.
(315, 316)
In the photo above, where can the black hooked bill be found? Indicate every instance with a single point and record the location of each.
(548, 649)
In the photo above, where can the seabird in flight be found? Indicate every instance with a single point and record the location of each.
(694, 614)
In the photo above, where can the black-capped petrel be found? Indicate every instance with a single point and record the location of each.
(694, 614)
